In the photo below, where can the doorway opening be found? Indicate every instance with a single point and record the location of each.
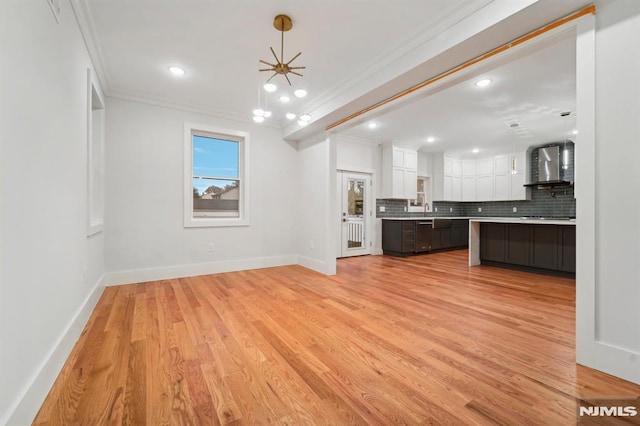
(356, 214)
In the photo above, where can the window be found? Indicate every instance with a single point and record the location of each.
(216, 177)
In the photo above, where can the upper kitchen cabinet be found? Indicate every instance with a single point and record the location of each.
(447, 178)
(509, 177)
(496, 178)
(399, 173)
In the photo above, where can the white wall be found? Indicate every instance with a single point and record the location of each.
(50, 272)
(317, 206)
(146, 239)
(608, 303)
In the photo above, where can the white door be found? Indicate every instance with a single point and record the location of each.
(355, 214)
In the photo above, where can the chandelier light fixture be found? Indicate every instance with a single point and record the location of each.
(282, 23)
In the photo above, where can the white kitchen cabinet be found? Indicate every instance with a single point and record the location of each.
(468, 188)
(456, 190)
(468, 168)
(399, 173)
(484, 166)
(501, 164)
(481, 179)
(484, 188)
(456, 167)
(518, 179)
(502, 186)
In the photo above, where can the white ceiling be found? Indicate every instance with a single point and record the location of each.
(530, 90)
(343, 43)
(219, 43)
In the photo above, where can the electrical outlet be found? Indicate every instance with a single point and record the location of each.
(211, 247)
(383, 209)
(436, 209)
(405, 208)
(450, 209)
(515, 209)
(479, 209)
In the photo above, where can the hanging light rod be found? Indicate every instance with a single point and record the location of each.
(282, 23)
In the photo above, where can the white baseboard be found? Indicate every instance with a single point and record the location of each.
(314, 264)
(191, 270)
(619, 362)
(29, 401)
(376, 252)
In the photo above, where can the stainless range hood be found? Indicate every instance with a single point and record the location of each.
(549, 167)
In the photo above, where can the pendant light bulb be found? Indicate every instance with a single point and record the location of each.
(270, 87)
(258, 118)
(258, 112)
(291, 115)
(300, 93)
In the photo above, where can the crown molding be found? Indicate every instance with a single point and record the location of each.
(82, 13)
(196, 109)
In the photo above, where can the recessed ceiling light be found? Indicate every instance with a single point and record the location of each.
(177, 71)
(431, 139)
(302, 123)
(258, 118)
(305, 117)
(484, 82)
(300, 93)
(291, 115)
(270, 87)
(475, 150)
(575, 132)
(372, 125)
(267, 114)
(284, 99)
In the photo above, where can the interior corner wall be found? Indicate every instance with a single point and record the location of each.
(617, 230)
(50, 272)
(316, 186)
(146, 239)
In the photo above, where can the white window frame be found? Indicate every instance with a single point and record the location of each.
(243, 174)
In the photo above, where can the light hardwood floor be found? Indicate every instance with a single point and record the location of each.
(386, 341)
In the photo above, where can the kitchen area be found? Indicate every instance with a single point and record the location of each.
(501, 233)
(485, 163)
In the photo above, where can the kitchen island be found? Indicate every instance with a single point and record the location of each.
(532, 244)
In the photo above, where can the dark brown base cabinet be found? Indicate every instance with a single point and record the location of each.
(407, 237)
(398, 237)
(542, 248)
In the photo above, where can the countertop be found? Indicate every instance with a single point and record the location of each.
(533, 221)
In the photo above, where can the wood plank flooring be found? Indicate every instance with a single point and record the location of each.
(422, 340)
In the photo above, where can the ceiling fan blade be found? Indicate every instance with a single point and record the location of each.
(296, 73)
(294, 58)
(287, 77)
(297, 68)
(274, 55)
(266, 69)
(267, 63)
